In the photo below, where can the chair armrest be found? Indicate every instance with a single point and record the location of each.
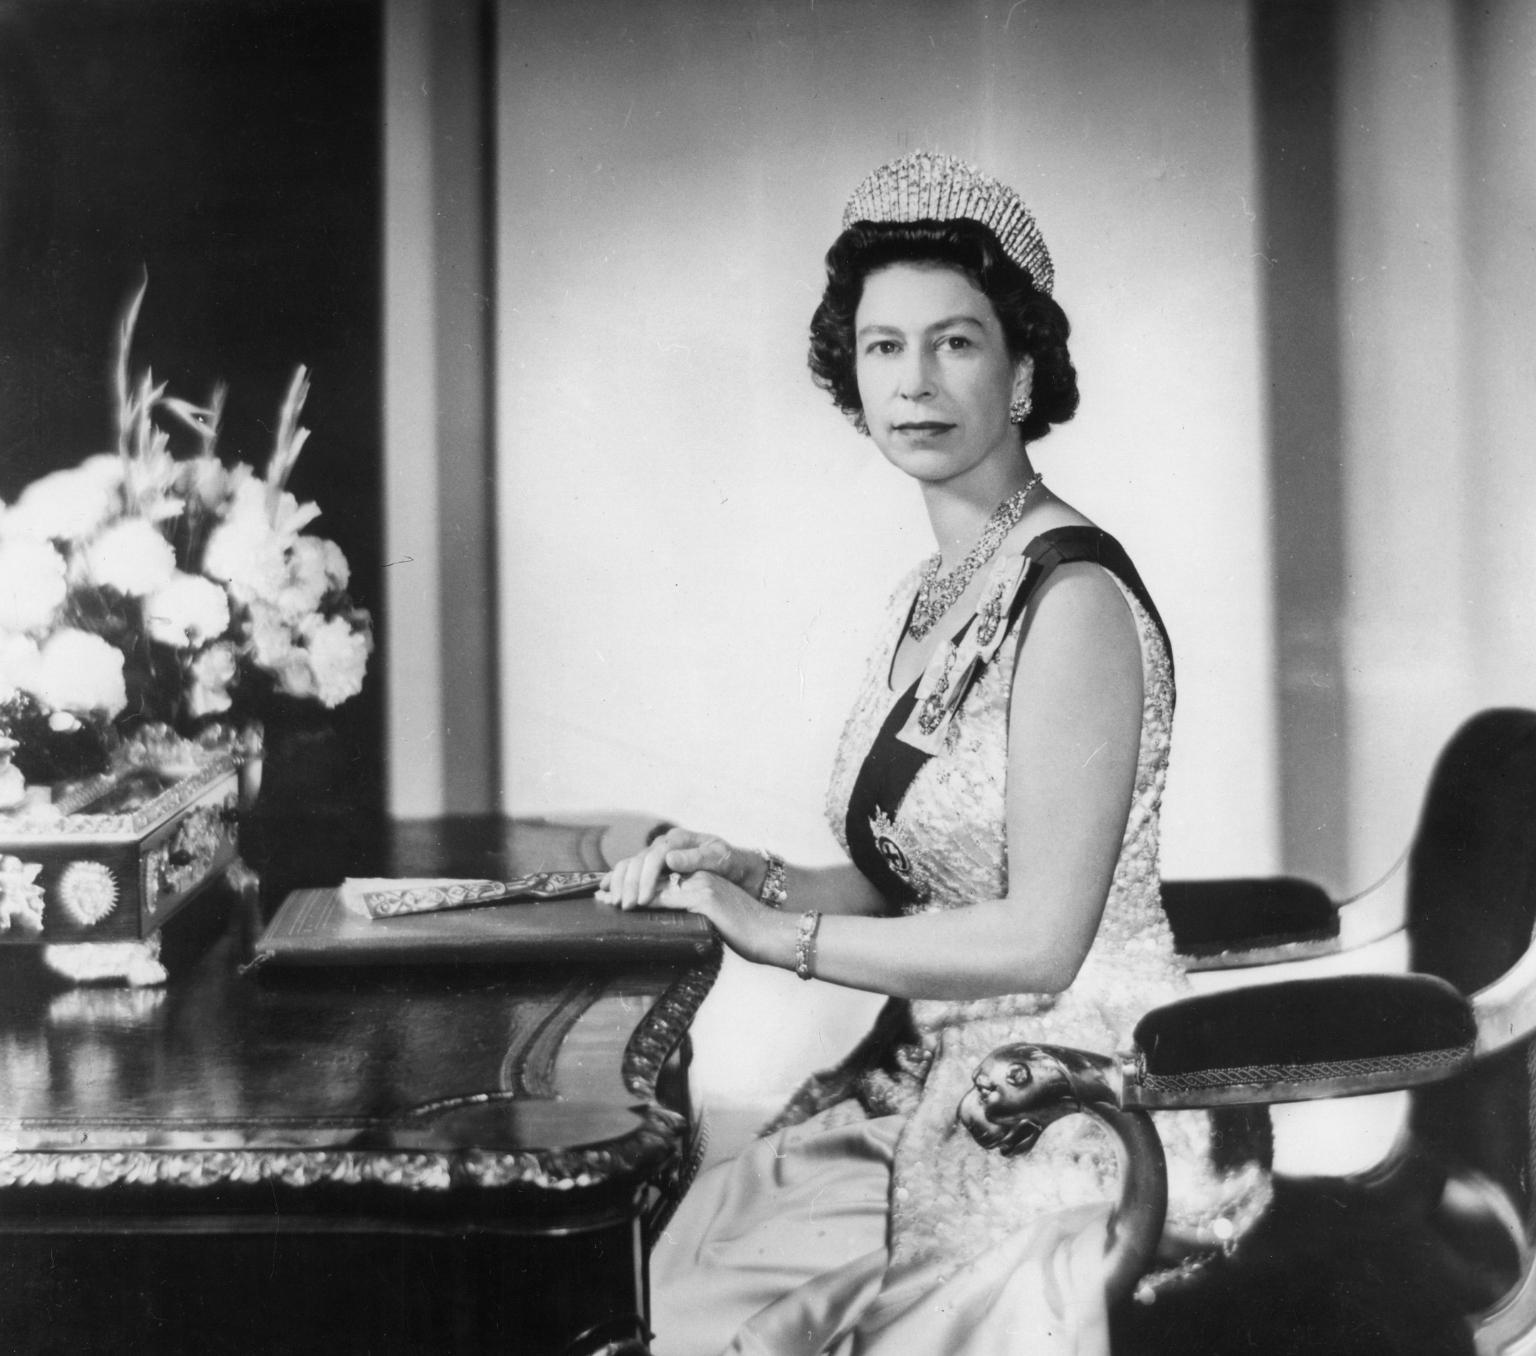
(1019, 1090)
(1219, 924)
(1230, 924)
(1339, 1036)
(1270, 1043)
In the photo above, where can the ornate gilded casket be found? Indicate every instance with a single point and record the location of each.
(111, 858)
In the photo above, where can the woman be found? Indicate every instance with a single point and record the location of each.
(997, 788)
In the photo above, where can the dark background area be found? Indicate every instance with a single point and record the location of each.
(233, 149)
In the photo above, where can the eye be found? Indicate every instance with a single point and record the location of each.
(1019, 1076)
(954, 343)
(883, 347)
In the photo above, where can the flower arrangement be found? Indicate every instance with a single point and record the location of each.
(150, 594)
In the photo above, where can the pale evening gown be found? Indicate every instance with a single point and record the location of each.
(867, 1222)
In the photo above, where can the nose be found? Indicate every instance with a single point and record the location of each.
(916, 380)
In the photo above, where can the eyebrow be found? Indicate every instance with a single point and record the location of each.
(947, 323)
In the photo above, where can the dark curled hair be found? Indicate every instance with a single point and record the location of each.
(1033, 324)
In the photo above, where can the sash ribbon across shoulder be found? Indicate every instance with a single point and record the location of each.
(914, 729)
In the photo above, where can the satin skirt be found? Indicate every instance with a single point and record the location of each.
(784, 1250)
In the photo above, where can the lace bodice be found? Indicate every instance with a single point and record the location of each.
(951, 826)
(949, 1195)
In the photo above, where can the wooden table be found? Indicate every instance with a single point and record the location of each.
(432, 1159)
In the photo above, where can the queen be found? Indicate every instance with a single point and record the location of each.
(997, 790)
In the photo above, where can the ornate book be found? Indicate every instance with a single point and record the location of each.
(312, 927)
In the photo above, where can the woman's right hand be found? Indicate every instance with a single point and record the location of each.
(634, 882)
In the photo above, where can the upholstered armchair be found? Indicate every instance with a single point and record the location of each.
(1428, 1251)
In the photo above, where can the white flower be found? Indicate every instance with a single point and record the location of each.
(307, 579)
(187, 611)
(69, 505)
(79, 672)
(271, 637)
(245, 551)
(339, 657)
(32, 583)
(212, 673)
(205, 481)
(132, 557)
(18, 665)
(289, 517)
(152, 473)
(295, 676)
(336, 568)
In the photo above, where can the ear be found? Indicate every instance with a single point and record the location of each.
(1023, 377)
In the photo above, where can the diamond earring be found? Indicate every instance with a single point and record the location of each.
(1019, 409)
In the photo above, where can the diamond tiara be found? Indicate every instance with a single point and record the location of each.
(924, 186)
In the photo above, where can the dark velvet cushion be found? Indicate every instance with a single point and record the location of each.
(1305, 1038)
(1213, 917)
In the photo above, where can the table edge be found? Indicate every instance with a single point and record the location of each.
(641, 1152)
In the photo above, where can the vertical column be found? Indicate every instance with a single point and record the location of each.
(1295, 77)
(439, 643)
(412, 556)
(1407, 674)
(463, 192)
(1499, 372)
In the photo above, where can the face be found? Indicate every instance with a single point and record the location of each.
(935, 376)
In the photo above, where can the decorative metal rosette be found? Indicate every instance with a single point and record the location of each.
(87, 892)
(886, 836)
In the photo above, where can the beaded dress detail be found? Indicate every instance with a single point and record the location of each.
(950, 1198)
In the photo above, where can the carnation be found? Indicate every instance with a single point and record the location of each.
(18, 665)
(308, 580)
(32, 584)
(295, 676)
(69, 505)
(212, 672)
(338, 656)
(245, 551)
(187, 611)
(271, 638)
(132, 557)
(336, 568)
(79, 672)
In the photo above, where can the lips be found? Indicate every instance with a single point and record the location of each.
(929, 426)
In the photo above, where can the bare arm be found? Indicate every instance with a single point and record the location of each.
(832, 889)
(1074, 730)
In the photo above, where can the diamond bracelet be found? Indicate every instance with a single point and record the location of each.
(772, 892)
(805, 943)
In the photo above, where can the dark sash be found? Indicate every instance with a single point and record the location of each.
(891, 764)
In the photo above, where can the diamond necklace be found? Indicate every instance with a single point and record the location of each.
(936, 596)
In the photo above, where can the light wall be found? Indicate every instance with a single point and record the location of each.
(694, 544)
(1438, 315)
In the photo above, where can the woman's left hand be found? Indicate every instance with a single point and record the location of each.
(749, 928)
